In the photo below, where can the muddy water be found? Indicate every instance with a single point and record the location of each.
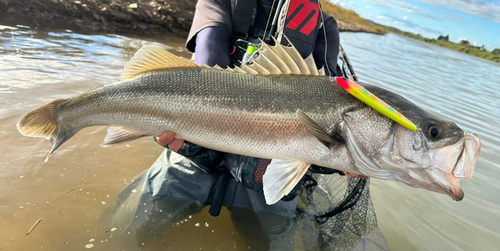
(70, 191)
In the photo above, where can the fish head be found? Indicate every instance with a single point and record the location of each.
(435, 157)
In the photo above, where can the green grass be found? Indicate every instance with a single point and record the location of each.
(450, 45)
(349, 16)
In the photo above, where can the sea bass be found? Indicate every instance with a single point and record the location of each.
(280, 107)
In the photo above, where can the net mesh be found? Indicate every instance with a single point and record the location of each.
(336, 212)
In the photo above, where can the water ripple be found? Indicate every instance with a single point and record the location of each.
(458, 87)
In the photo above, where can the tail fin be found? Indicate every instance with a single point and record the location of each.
(42, 123)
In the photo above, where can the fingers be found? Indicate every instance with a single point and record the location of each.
(168, 138)
(176, 144)
(165, 138)
(352, 175)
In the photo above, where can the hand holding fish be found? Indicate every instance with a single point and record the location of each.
(168, 138)
(174, 144)
(280, 108)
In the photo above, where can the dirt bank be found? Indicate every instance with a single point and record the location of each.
(147, 17)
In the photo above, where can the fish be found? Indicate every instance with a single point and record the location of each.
(279, 107)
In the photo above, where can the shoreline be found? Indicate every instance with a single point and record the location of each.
(117, 16)
(153, 18)
(467, 49)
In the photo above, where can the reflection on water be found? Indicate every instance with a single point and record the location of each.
(72, 190)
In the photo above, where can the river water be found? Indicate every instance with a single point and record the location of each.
(70, 191)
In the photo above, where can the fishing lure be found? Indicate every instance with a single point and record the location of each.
(374, 102)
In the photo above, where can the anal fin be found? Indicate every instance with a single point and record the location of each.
(120, 134)
(281, 177)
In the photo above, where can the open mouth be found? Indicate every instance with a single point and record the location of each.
(465, 164)
(454, 163)
(450, 164)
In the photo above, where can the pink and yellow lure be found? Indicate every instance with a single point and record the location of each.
(374, 102)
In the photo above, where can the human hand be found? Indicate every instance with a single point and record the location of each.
(352, 175)
(168, 138)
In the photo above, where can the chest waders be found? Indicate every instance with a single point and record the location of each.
(297, 20)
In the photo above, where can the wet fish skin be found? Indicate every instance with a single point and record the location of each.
(229, 112)
(269, 116)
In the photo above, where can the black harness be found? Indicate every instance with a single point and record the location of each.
(250, 18)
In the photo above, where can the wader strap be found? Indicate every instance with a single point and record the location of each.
(220, 192)
(299, 21)
(242, 16)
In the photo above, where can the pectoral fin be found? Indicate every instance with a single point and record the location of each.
(120, 134)
(281, 177)
(320, 133)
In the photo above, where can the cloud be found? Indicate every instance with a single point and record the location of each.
(488, 11)
(403, 24)
(454, 18)
(405, 7)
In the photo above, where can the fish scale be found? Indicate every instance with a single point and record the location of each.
(294, 119)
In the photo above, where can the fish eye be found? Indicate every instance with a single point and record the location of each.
(434, 131)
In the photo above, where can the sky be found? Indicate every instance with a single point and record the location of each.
(476, 21)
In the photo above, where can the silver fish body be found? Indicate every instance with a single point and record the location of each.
(243, 114)
(294, 119)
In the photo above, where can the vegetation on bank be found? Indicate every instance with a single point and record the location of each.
(158, 17)
(469, 49)
(149, 17)
(349, 20)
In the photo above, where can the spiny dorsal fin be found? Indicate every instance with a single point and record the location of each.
(260, 69)
(280, 50)
(150, 58)
(311, 65)
(297, 58)
(322, 71)
(279, 59)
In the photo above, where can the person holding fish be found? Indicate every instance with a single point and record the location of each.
(191, 177)
(222, 34)
(276, 103)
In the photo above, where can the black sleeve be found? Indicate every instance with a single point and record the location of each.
(209, 13)
(212, 47)
(328, 51)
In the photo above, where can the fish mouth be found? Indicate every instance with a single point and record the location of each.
(464, 168)
(450, 164)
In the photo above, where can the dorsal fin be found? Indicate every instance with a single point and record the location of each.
(294, 68)
(322, 71)
(150, 58)
(279, 59)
